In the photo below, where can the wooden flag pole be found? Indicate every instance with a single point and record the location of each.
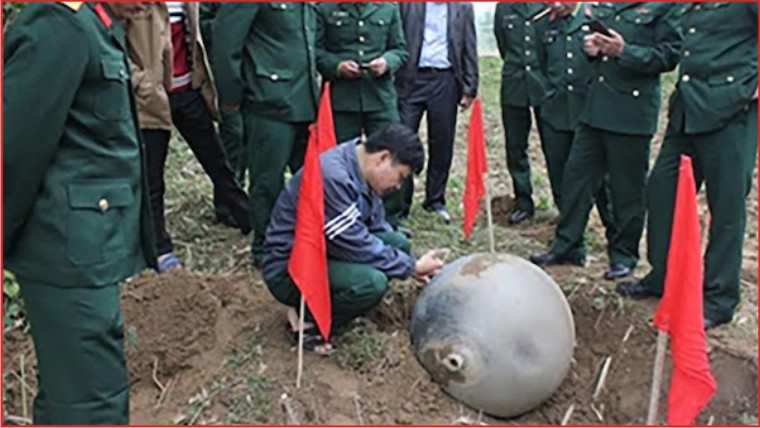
(659, 366)
(489, 215)
(301, 323)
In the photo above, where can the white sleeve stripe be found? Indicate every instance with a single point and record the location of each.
(350, 221)
(337, 219)
(351, 217)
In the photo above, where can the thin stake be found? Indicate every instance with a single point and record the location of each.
(659, 366)
(489, 215)
(300, 342)
(602, 377)
(568, 414)
(287, 409)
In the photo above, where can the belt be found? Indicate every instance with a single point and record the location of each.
(423, 70)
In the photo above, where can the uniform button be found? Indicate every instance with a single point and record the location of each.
(527, 53)
(527, 68)
(361, 53)
(361, 39)
(569, 55)
(123, 73)
(730, 79)
(361, 23)
(527, 23)
(569, 71)
(698, 7)
(274, 77)
(570, 88)
(510, 26)
(685, 78)
(605, 58)
(617, 18)
(585, 28)
(601, 79)
(686, 53)
(527, 38)
(638, 20)
(381, 22)
(283, 6)
(635, 93)
(569, 38)
(103, 204)
(692, 30)
(338, 23)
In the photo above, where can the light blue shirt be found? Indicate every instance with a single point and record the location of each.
(435, 46)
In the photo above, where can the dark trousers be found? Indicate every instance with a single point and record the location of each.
(517, 123)
(354, 288)
(192, 120)
(724, 160)
(625, 158)
(231, 132)
(79, 342)
(437, 95)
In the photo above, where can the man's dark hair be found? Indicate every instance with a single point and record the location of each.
(403, 144)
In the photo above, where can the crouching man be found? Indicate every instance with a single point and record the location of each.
(363, 251)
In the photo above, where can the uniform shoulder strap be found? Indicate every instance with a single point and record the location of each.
(73, 5)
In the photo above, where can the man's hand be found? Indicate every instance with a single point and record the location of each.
(590, 45)
(231, 108)
(349, 70)
(466, 101)
(378, 66)
(427, 266)
(612, 46)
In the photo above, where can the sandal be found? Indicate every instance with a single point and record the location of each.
(168, 261)
(312, 340)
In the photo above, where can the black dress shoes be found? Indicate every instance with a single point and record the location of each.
(617, 271)
(519, 216)
(634, 290)
(550, 259)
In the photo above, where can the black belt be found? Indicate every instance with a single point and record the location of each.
(423, 70)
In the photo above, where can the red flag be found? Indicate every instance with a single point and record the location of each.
(308, 259)
(325, 123)
(680, 311)
(477, 165)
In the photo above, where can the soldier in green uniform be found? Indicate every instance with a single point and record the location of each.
(360, 46)
(265, 64)
(517, 27)
(231, 124)
(567, 72)
(713, 119)
(616, 127)
(76, 214)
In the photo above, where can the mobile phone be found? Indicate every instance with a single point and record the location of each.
(364, 66)
(597, 27)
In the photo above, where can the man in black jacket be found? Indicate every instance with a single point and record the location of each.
(442, 72)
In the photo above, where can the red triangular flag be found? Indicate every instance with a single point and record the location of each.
(308, 259)
(680, 311)
(325, 123)
(477, 165)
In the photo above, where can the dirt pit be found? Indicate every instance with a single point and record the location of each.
(205, 350)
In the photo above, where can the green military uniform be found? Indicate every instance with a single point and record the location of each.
(231, 124)
(362, 32)
(76, 217)
(354, 288)
(517, 27)
(713, 119)
(265, 62)
(567, 72)
(618, 121)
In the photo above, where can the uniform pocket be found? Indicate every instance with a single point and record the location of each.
(112, 101)
(95, 221)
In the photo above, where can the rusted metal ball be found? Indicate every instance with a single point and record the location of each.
(496, 332)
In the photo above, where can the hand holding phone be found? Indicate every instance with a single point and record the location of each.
(597, 27)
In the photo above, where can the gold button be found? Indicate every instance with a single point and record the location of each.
(635, 93)
(361, 23)
(569, 55)
(729, 79)
(527, 68)
(570, 88)
(692, 30)
(361, 39)
(103, 204)
(601, 79)
(274, 77)
(685, 78)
